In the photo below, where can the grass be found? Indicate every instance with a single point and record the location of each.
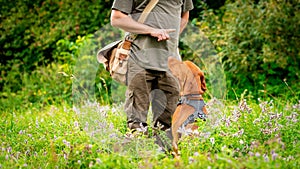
(242, 134)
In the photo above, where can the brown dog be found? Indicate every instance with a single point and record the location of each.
(191, 105)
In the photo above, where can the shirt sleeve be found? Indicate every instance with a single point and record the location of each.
(123, 5)
(187, 5)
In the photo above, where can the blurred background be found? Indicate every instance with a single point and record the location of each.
(48, 50)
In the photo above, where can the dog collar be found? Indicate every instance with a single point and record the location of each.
(197, 104)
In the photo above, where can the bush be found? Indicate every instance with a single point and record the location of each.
(258, 45)
(29, 30)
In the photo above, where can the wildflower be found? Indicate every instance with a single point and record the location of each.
(227, 122)
(223, 148)
(21, 132)
(241, 132)
(235, 134)
(89, 146)
(9, 149)
(65, 156)
(76, 110)
(191, 160)
(79, 162)
(86, 127)
(91, 164)
(196, 154)
(272, 116)
(241, 142)
(111, 125)
(222, 133)
(67, 143)
(274, 155)
(98, 161)
(25, 165)
(266, 158)
(288, 117)
(27, 152)
(76, 124)
(256, 121)
(212, 140)
(257, 154)
(113, 135)
(251, 153)
(36, 123)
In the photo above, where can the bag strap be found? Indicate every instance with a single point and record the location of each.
(131, 36)
(147, 10)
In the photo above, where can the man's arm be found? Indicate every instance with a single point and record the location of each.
(123, 21)
(184, 20)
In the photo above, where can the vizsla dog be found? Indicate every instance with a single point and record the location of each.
(191, 105)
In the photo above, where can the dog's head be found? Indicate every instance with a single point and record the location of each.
(191, 78)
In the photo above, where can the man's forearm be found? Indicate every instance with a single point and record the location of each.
(184, 20)
(123, 21)
(126, 23)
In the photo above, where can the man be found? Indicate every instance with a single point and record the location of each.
(149, 80)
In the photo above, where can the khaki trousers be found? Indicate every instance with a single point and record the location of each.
(150, 87)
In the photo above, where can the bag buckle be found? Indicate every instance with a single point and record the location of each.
(130, 37)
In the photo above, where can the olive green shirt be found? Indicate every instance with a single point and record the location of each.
(146, 51)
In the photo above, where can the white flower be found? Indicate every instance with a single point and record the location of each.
(241, 142)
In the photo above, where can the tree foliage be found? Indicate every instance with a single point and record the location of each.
(29, 30)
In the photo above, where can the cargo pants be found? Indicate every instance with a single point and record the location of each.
(150, 88)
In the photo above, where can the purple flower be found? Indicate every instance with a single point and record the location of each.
(274, 155)
(98, 161)
(76, 124)
(266, 158)
(191, 160)
(212, 140)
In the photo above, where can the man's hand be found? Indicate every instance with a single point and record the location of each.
(161, 34)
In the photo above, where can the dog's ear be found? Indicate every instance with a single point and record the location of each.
(176, 67)
(198, 73)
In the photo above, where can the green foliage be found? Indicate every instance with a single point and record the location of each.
(29, 30)
(258, 44)
(74, 78)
